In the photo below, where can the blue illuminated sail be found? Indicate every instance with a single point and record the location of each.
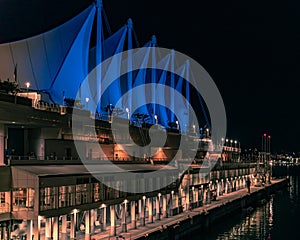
(39, 59)
(75, 66)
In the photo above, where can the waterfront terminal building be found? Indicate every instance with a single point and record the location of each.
(46, 192)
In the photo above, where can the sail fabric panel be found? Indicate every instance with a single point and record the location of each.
(109, 48)
(140, 79)
(39, 58)
(75, 66)
(183, 112)
(113, 92)
(160, 92)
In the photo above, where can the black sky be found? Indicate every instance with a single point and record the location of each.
(250, 48)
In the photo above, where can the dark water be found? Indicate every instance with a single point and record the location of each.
(278, 218)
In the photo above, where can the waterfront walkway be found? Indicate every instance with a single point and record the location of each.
(158, 225)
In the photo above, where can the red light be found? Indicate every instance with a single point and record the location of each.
(265, 134)
(269, 136)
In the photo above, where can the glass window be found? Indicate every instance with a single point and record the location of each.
(4, 202)
(23, 198)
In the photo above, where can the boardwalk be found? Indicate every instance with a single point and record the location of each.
(158, 225)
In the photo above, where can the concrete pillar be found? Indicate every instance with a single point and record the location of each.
(124, 222)
(218, 189)
(37, 227)
(55, 228)
(204, 196)
(197, 195)
(104, 217)
(64, 227)
(143, 210)
(140, 208)
(73, 225)
(48, 228)
(112, 221)
(164, 206)
(150, 208)
(157, 208)
(88, 225)
(29, 229)
(208, 194)
(93, 217)
(170, 199)
(187, 199)
(176, 200)
(133, 215)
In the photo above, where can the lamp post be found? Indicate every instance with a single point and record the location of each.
(156, 119)
(128, 113)
(87, 101)
(27, 86)
(177, 124)
(124, 223)
(194, 128)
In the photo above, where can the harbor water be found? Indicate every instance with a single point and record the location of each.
(274, 218)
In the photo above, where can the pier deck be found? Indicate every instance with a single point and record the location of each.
(161, 225)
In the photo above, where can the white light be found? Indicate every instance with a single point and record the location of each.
(75, 211)
(235, 141)
(125, 201)
(87, 99)
(27, 84)
(102, 205)
(222, 139)
(127, 110)
(159, 194)
(155, 116)
(144, 197)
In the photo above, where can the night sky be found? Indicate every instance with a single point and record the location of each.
(250, 49)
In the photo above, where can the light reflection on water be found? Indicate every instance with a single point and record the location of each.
(277, 218)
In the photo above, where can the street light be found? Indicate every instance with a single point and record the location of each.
(177, 123)
(128, 113)
(207, 132)
(194, 128)
(156, 119)
(87, 101)
(27, 86)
